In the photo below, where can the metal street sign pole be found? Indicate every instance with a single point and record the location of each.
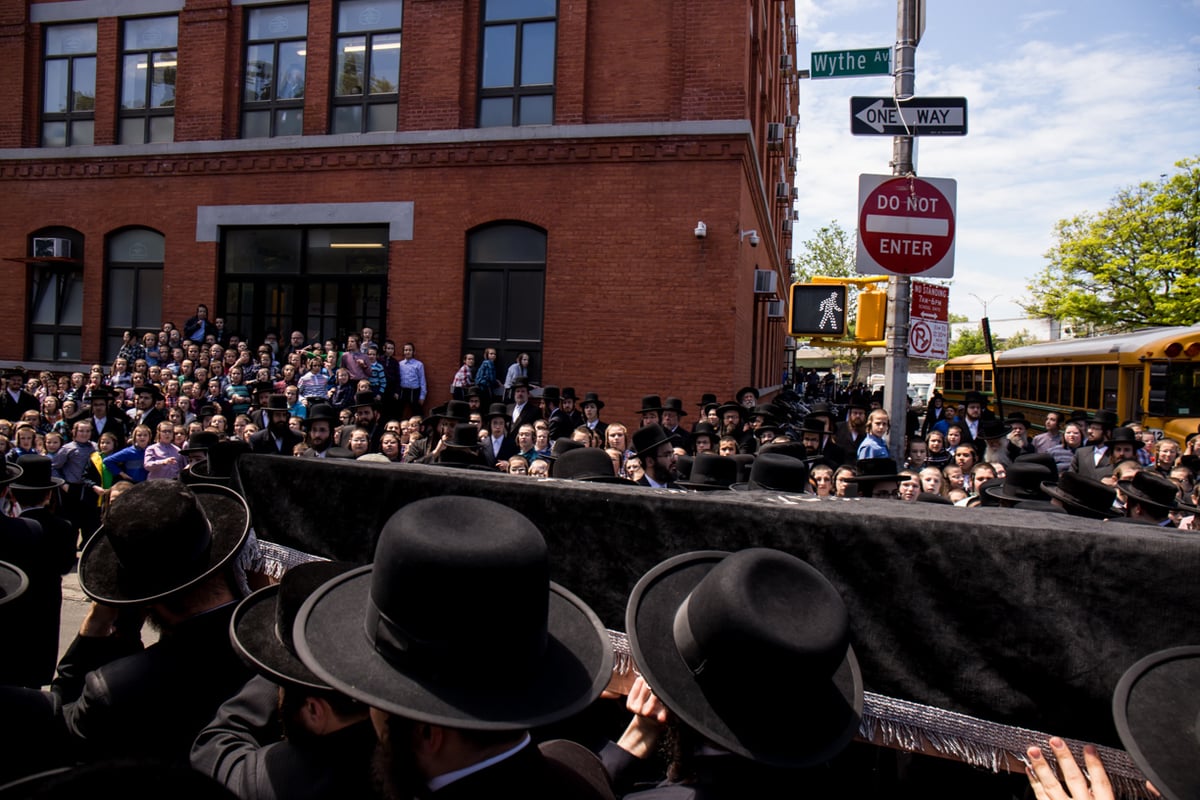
(909, 24)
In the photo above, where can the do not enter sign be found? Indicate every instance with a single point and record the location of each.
(906, 226)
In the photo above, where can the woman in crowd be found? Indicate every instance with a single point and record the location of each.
(128, 464)
(841, 484)
(51, 414)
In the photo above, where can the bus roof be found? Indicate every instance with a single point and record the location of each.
(1096, 345)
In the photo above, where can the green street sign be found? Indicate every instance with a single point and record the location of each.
(851, 63)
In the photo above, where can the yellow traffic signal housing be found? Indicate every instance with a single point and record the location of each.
(872, 316)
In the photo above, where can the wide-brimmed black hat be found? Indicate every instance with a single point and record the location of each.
(992, 429)
(592, 397)
(496, 410)
(974, 397)
(36, 473)
(568, 393)
(649, 437)
(776, 472)
(13, 582)
(711, 472)
(675, 404)
(277, 402)
(1154, 490)
(562, 445)
(218, 466)
(261, 628)
(13, 372)
(1045, 459)
(365, 399)
(814, 424)
(457, 410)
(704, 626)
(374, 635)
(200, 442)
(766, 411)
(1125, 436)
(1023, 481)
(205, 411)
(162, 537)
(1104, 417)
(650, 402)
(551, 394)
(520, 382)
(1155, 707)
(465, 436)
(100, 393)
(738, 395)
(589, 464)
(707, 399)
(820, 410)
(150, 389)
(875, 470)
(319, 412)
(706, 429)
(1083, 496)
(258, 387)
(730, 405)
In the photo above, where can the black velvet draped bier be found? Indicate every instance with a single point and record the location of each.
(1019, 617)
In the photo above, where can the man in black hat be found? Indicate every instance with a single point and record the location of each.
(523, 410)
(1082, 497)
(14, 400)
(498, 446)
(814, 435)
(1150, 498)
(318, 426)
(366, 416)
(672, 413)
(102, 418)
(745, 660)
(277, 438)
(166, 551)
(853, 429)
(327, 738)
(446, 727)
(653, 446)
(441, 425)
(569, 399)
(1107, 447)
(556, 418)
(145, 409)
(591, 406)
(651, 410)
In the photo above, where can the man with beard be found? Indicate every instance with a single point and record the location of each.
(14, 400)
(818, 443)
(1091, 460)
(672, 410)
(166, 552)
(568, 406)
(853, 429)
(366, 416)
(277, 438)
(327, 739)
(522, 411)
(145, 409)
(408, 635)
(102, 420)
(319, 427)
(653, 446)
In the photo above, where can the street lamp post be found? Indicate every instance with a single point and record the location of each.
(985, 303)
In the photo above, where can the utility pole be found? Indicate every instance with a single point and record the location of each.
(909, 24)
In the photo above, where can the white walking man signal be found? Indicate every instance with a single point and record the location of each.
(829, 310)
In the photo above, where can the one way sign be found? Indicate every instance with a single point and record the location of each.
(919, 116)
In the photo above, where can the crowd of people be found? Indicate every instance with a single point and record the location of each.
(127, 471)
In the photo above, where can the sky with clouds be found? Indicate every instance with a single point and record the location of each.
(1068, 102)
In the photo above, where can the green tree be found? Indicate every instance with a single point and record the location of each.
(831, 252)
(1134, 264)
(968, 342)
(1018, 339)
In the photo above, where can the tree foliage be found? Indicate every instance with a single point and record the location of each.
(1136, 263)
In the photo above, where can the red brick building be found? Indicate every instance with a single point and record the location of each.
(525, 174)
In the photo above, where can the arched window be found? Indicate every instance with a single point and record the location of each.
(134, 282)
(504, 308)
(56, 295)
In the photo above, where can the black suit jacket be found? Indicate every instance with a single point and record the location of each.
(508, 449)
(112, 422)
(31, 622)
(241, 748)
(526, 774)
(530, 414)
(1084, 463)
(560, 425)
(12, 410)
(263, 442)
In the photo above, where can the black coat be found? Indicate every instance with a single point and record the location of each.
(241, 748)
(526, 774)
(12, 410)
(29, 625)
(530, 414)
(113, 422)
(262, 442)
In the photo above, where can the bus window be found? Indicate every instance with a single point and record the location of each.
(986, 379)
(1093, 388)
(1079, 390)
(1041, 384)
(1054, 379)
(1183, 390)
(1111, 388)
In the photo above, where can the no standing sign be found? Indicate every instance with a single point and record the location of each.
(906, 226)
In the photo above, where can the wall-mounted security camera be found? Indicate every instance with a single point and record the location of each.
(752, 236)
(701, 230)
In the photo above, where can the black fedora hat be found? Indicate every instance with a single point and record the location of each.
(765, 410)
(974, 397)
(150, 389)
(1154, 490)
(1045, 459)
(563, 445)
(1155, 707)
(520, 382)
(706, 429)
(1083, 496)
(649, 437)
(650, 402)
(874, 470)
(814, 424)
(711, 472)
(707, 399)
(373, 635)
(200, 442)
(992, 429)
(16, 371)
(364, 399)
(496, 410)
(13, 582)
(1123, 435)
(776, 472)
(592, 397)
(261, 627)
(206, 411)
(1023, 481)
(820, 410)
(218, 466)
(465, 436)
(319, 412)
(705, 625)
(162, 537)
(551, 394)
(1104, 417)
(457, 410)
(746, 389)
(36, 473)
(100, 393)
(568, 393)
(589, 464)
(675, 404)
(730, 405)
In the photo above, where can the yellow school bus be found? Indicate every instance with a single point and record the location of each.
(1151, 376)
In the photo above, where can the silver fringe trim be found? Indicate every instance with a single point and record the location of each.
(917, 728)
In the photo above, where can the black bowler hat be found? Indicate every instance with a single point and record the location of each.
(1083, 496)
(1155, 707)
(373, 634)
(592, 397)
(1023, 481)
(711, 472)
(496, 410)
(261, 628)
(777, 473)
(648, 438)
(160, 538)
(704, 626)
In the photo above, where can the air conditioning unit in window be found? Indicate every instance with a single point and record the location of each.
(791, 121)
(51, 247)
(795, 193)
(792, 164)
(764, 281)
(787, 225)
(782, 190)
(775, 309)
(785, 62)
(775, 135)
